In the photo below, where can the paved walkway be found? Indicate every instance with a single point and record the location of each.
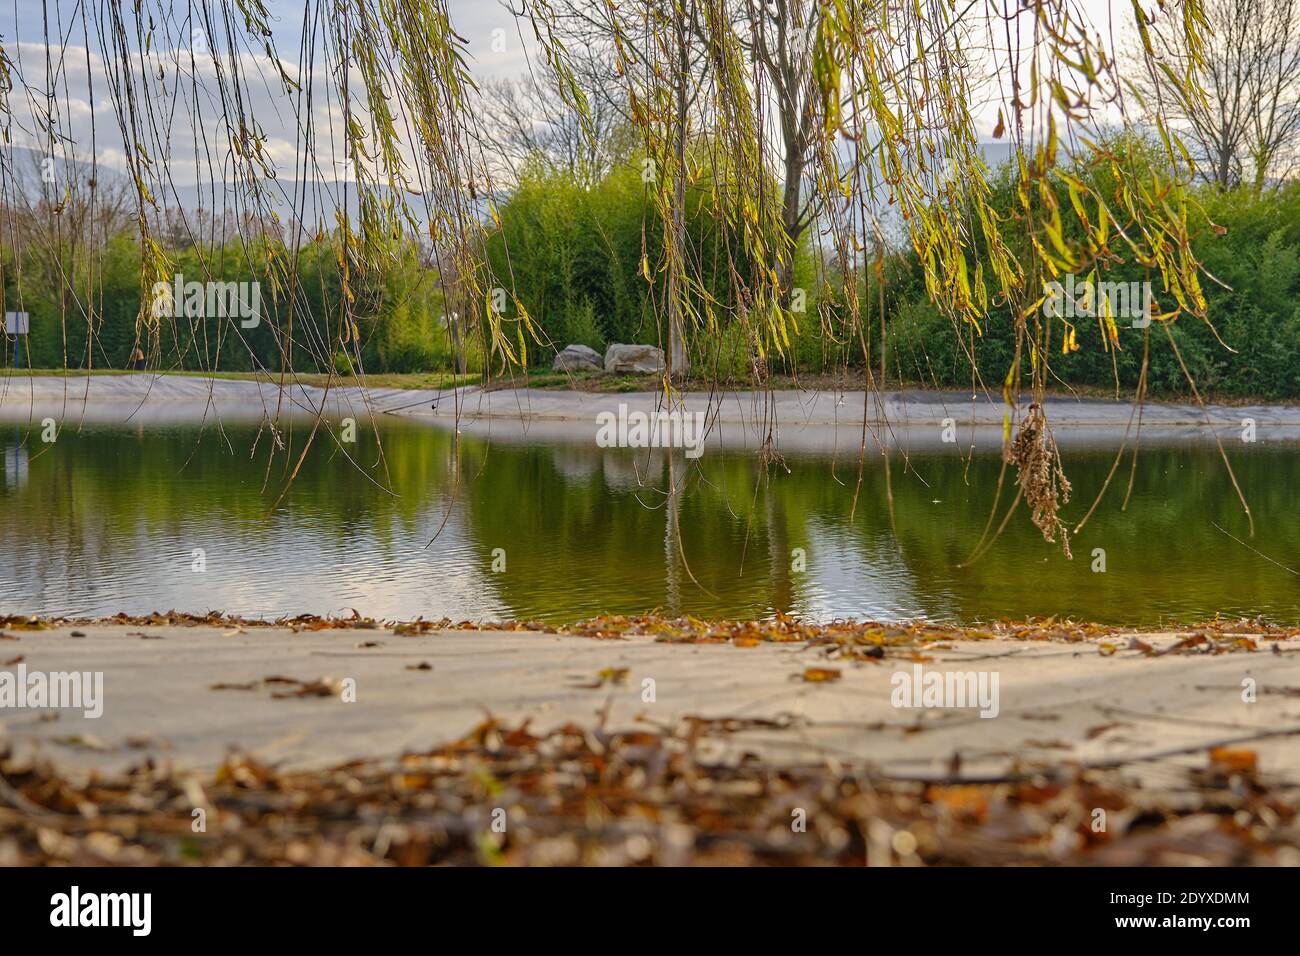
(1056, 702)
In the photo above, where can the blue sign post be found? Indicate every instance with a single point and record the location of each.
(17, 324)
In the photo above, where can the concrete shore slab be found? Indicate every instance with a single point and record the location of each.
(811, 421)
(1057, 703)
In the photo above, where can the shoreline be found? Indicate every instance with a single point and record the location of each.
(611, 385)
(822, 421)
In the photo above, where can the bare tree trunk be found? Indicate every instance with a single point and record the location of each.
(783, 57)
(791, 195)
(679, 363)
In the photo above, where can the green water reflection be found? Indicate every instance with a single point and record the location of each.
(111, 519)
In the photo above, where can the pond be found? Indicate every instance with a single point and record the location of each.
(138, 519)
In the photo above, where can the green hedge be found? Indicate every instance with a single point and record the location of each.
(573, 254)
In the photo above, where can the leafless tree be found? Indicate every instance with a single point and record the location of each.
(530, 119)
(1275, 123)
(781, 34)
(683, 83)
(777, 37)
(48, 198)
(1244, 122)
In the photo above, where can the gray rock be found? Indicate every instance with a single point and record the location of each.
(634, 359)
(576, 358)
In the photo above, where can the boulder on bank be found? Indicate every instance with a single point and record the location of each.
(634, 360)
(578, 358)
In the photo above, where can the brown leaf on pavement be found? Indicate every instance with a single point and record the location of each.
(1241, 761)
(817, 675)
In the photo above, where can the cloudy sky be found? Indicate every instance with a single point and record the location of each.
(48, 39)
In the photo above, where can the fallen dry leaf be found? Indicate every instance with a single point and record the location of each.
(969, 801)
(817, 675)
(325, 687)
(1241, 761)
(18, 622)
(610, 675)
(1092, 733)
(661, 802)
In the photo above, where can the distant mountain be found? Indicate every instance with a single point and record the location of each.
(22, 181)
(995, 153)
(24, 172)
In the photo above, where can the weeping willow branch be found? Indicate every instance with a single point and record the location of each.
(845, 121)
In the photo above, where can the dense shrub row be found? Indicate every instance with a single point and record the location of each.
(576, 256)
(401, 323)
